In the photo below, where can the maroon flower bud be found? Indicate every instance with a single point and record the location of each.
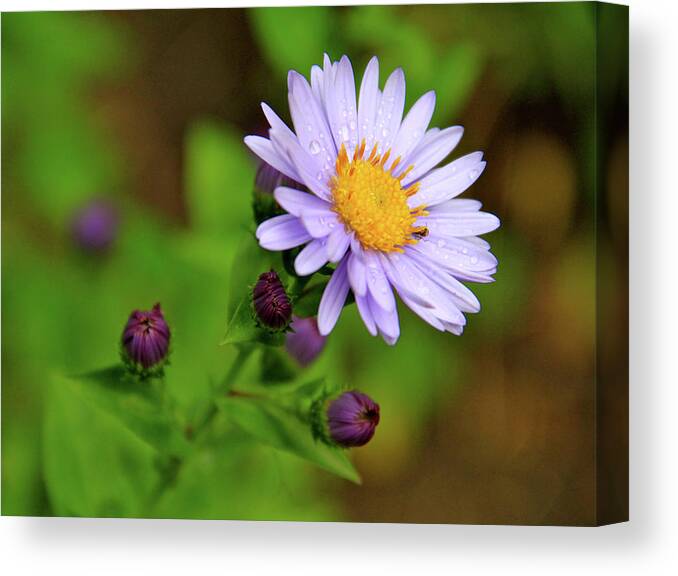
(95, 226)
(304, 342)
(271, 303)
(265, 183)
(269, 178)
(146, 338)
(352, 419)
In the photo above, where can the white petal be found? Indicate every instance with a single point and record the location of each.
(341, 107)
(457, 205)
(282, 233)
(429, 154)
(461, 224)
(265, 149)
(449, 181)
(317, 83)
(413, 128)
(312, 258)
(366, 314)
(315, 180)
(356, 275)
(463, 259)
(426, 314)
(377, 282)
(390, 110)
(333, 299)
(319, 223)
(463, 298)
(409, 280)
(387, 321)
(310, 125)
(337, 244)
(296, 201)
(367, 103)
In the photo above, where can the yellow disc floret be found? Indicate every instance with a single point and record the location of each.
(372, 202)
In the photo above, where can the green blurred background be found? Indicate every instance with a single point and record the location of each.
(147, 109)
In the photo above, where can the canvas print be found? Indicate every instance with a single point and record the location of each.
(362, 263)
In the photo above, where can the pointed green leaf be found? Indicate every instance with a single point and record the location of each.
(136, 404)
(275, 426)
(93, 464)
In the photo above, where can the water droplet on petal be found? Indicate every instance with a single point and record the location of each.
(314, 147)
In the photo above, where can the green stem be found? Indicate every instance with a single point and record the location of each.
(175, 464)
(225, 388)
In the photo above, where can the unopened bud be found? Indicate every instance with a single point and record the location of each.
(271, 303)
(304, 342)
(146, 339)
(352, 419)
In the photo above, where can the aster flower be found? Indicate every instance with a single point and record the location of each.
(352, 419)
(371, 200)
(146, 338)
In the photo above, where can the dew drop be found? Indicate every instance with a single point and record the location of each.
(314, 147)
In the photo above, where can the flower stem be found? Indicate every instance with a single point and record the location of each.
(225, 388)
(171, 471)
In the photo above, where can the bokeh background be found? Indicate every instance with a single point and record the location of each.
(145, 112)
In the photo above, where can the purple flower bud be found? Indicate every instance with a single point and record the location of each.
(268, 179)
(271, 303)
(304, 343)
(95, 226)
(146, 338)
(352, 418)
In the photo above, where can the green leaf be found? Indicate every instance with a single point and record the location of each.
(219, 179)
(275, 426)
(139, 405)
(307, 303)
(235, 477)
(242, 327)
(277, 367)
(249, 262)
(292, 38)
(93, 464)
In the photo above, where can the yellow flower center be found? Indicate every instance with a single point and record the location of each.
(372, 202)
